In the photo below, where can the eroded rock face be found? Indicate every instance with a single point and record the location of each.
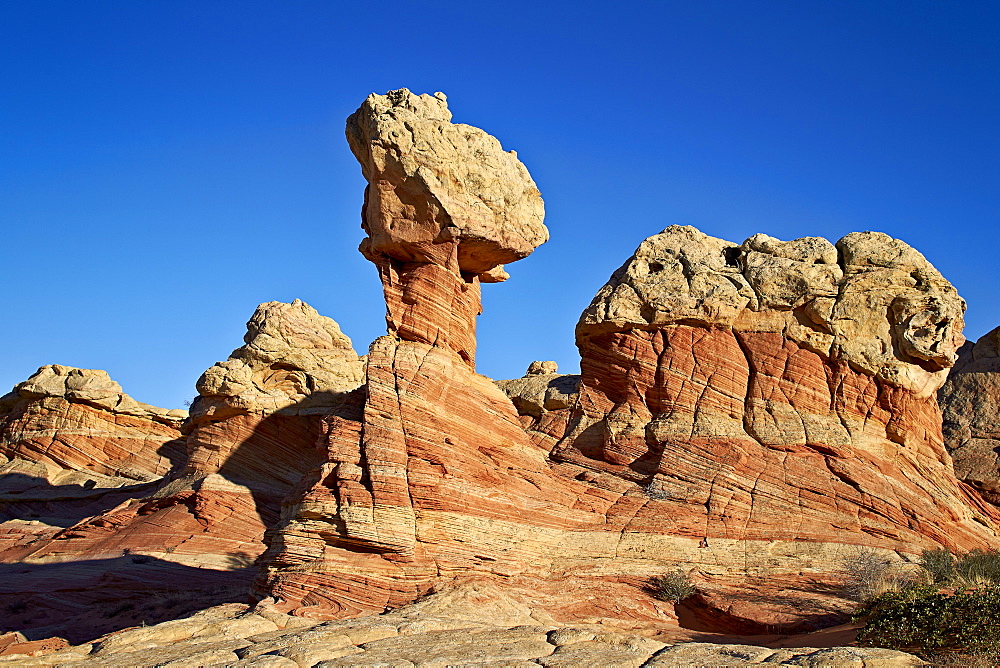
(747, 413)
(541, 397)
(251, 436)
(870, 301)
(258, 414)
(431, 472)
(79, 420)
(970, 403)
(743, 410)
(742, 384)
(432, 182)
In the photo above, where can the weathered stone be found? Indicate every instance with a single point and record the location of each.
(433, 183)
(786, 380)
(970, 403)
(79, 420)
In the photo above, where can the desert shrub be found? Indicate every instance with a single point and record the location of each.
(672, 587)
(923, 620)
(978, 567)
(119, 609)
(865, 572)
(939, 564)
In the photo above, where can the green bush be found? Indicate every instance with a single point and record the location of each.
(940, 564)
(921, 619)
(979, 567)
(672, 587)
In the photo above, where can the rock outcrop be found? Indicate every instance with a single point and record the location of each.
(755, 409)
(258, 415)
(970, 403)
(432, 473)
(73, 444)
(250, 437)
(540, 398)
(750, 414)
(79, 420)
(468, 625)
(777, 391)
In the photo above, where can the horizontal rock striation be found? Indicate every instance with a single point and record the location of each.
(750, 414)
(753, 409)
(250, 437)
(777, 391)
(80, 420)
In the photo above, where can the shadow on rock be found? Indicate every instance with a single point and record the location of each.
(82, 600)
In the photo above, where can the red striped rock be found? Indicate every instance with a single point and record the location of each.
(251, 436)
(80, 420)
(743, 410)
(749, 413)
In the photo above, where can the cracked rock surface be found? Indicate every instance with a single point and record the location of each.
(448, 629)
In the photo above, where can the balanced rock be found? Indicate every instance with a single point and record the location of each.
(432, 473)
(432, 182)
(970, 403)
(744, 411)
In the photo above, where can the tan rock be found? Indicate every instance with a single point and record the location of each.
(785, 379)
(883, 297)
(79, 420)
(294, 359)
(970, 404)
(432, 182)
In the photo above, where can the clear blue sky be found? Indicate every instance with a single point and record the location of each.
(166, 166)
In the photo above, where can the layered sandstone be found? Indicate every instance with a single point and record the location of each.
(258, 414)
(474, 624)
(79, 420)
(743, 410)
(748, 413)
(431, 474)
(251, 436)
(72, 444)
(970, 403)
(540, 397)
(777, 391)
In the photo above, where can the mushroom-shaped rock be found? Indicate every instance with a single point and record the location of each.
(432, 181)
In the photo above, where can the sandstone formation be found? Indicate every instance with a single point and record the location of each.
(469, 625)
(749, 414)
(431, 475)
(250, 437)
(258, 414)
(540, 397)
(777, 391)
(72, 445)
(970, 403)
(744, 410)
(80, 420)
